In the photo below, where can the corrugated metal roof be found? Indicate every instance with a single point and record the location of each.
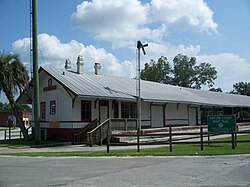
(103, 86)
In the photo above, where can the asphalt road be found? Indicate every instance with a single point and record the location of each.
(127, 171)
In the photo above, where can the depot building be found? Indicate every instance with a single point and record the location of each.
(70, 100)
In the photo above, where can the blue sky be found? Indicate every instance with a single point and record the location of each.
(213, 31)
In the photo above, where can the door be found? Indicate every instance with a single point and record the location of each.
(103, 111)
(192, 116)
(157, 117)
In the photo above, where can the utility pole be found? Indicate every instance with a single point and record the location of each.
(138, 89)
(36, 97)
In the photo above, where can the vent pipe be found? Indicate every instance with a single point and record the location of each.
(97, 68)
(67, 64)
(79, 64)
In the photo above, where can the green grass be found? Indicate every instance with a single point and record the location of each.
(7, 128)
(178, 150)
(3, 128)
(21, 143)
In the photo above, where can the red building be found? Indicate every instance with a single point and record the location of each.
(26, 116)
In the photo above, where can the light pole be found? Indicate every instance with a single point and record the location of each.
(138, 89)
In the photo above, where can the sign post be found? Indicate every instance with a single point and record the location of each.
(221, 123)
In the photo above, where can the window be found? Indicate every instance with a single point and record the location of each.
(128, 110)
(49, 82)
(125, 110)
(52, 107)
(116, 109)
(133, 110)
(43, 110)
(86, 111)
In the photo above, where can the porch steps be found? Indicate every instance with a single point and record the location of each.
(81, 135)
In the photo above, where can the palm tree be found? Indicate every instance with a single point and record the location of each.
(13, 79)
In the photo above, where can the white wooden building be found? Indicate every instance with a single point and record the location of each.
(72, 99)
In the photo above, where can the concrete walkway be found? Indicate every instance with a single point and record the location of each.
(69, 148)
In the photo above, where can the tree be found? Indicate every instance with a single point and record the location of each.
(4, 107)
(241, 88)
(184, 71)
(215, 89)
(187, 74)
(1, 106)
(205, 75)
(13, 78)
(157, 71)
(24, 107)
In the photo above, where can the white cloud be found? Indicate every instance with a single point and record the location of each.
(184, 13)
(115, 21)
(98, 15)
(125, 21)
(127, 36)
(155, 50)
(53, 53)
(230, 67)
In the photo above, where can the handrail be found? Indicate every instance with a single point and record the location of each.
(29, 127)
(98, 134)
(112, 119)
(83, 130)
(90, 140)
(99, 126)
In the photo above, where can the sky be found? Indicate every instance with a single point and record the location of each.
(213, 31)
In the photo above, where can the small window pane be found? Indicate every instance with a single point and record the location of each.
(43, 110)
(52, 107)
(86, 111)
(116, 110)
(133, 110)
(125, 110)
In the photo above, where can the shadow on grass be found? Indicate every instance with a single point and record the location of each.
(19, 143)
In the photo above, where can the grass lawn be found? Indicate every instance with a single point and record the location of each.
(178, 150)
(20, 143)
(3, 128)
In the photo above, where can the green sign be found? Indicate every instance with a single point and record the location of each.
(222, 123)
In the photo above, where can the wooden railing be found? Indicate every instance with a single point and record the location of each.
(81, 135)
(14, 133)
(98, 134)
(170, 138)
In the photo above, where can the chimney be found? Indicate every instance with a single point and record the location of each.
(79, 64)
(67, 64)
(97, 68)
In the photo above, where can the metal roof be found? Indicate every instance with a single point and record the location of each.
(103, 86)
